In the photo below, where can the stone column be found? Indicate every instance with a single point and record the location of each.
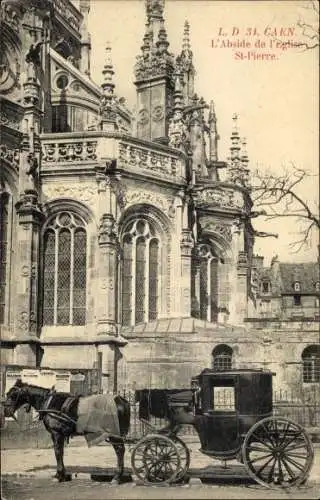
(26, 320)
(242, 288)
(108, 262)
(186, 246)
(195, 284)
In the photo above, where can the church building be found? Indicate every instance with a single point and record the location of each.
(125, 240)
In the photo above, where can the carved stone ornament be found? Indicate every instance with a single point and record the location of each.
(220, 197)
(23, 321)
(33, 165)
(141, 158)
(143, 117)
(186, 243)
(69, 151)
(9, 121)
(11, 15)
(119, 191)
(25, 271)
(242, 259)
(220, 229)
(157, 113)
(138, 196)
(107, 230)
(10, 155)
(85, 192)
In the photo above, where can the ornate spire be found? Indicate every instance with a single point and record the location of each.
(185, 64)
(162, 43)
(213, 133)
(244, 153)
(186, 46)
(154, 9)
(155, 59)
(177, 128)
(238, 171)
(108, 113)
(235, 140)
(108, 85)
(212, 113)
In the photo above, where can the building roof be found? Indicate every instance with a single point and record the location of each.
(283, 276)
(307, 274)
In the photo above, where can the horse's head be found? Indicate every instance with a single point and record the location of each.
(16, 397)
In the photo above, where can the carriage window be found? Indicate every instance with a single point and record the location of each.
(223, 398)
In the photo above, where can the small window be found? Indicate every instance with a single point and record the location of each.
(297, 300)
(222, 358)
(62, 82)
(297, 287)
(311, 364)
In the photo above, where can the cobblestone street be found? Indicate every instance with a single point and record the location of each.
(27, 474)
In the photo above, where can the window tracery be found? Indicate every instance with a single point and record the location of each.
(64, 271)
(140, 273)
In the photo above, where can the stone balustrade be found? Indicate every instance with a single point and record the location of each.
(136, 156)
(66, 151)
(61, 150)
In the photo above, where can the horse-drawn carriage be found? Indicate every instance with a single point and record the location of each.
(230, 410)
(233, 416)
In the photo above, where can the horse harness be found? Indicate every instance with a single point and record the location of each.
(68, 406)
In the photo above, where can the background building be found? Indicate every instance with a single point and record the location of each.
(126, 243)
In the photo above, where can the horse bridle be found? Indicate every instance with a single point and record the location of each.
(20, 391)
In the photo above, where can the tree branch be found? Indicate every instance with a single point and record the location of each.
(279, 197)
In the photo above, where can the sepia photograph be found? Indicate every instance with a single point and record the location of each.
(159, 249)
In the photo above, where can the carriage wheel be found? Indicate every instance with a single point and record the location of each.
(155, 459)
(277, 453)
(184, 455)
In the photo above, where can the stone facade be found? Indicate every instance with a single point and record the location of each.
(130, 242)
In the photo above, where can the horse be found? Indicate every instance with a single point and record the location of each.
(61, 424)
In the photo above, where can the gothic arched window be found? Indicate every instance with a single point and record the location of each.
(140, 273)
(64, 271)
(5, 250)
(222, 358)
(208, 284)
(311, 363)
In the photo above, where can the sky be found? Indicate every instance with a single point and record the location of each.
(276, 99)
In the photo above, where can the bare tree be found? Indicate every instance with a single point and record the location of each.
(308, 26)
(277, 196)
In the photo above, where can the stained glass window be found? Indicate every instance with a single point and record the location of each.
(64, 276)
(214, 289)
(140, 273)
(127, 280)
(153, 279)
(203, 288)
(208, 284)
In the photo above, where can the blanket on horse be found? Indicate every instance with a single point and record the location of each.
(97, 418)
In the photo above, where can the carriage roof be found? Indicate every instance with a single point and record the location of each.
(240, 372)
(252, 389)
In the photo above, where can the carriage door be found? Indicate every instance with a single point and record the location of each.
(222, 418)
